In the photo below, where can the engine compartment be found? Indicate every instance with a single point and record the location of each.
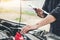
(8, 31)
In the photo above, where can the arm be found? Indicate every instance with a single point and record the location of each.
(47, 20)
(41, 13)
(54, 16)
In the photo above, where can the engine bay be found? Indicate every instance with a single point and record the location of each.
(8, 30)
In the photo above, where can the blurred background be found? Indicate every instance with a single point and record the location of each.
(20, 10)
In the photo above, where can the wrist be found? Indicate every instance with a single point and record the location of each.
(42, 15)
(45, 14)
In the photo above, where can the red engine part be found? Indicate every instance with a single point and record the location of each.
(19, 36)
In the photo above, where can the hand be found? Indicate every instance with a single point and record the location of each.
(27, 28)
(39, 12)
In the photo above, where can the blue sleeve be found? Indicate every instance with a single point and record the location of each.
(45, 7)
(56, 12)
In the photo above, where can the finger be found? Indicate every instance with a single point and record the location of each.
(26, 30)
(23, 30)
(37, 10)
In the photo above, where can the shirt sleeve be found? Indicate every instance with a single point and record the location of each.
(45, 7)
(56, 12)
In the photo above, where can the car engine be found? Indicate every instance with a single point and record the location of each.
(8, 30)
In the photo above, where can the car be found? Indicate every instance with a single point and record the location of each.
(8, 30)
